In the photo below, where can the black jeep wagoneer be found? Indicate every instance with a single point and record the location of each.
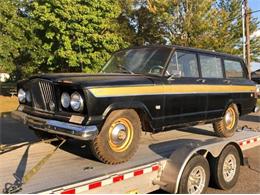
(153, 88)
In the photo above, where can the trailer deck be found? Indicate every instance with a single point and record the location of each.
(73, 163)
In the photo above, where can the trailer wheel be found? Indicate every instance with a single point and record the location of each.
(119, 137)
(195, 177)
(227, 126)
(225, 169)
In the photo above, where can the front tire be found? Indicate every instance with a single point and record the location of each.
(119, 137)
(195, 177)
(227, 126)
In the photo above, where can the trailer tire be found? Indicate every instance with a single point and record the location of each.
(119, 137)
(231, 156)
(197, 165)
(227, 126)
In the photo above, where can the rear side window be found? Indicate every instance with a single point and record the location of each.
(233, 69)
(211, 66)
(184, 62)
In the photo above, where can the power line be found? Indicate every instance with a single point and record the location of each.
(254, 11)
(240, 16)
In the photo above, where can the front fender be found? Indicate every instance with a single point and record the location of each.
(138, 106)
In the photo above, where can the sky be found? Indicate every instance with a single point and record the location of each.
(255, 5)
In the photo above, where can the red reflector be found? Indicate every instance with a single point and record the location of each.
(241, 143)
(138, 172)
(155, 168)
(70, 191)
(255, 140)
(118, 178)
(248, 141)
(94, 185)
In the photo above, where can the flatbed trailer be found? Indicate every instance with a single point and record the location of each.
(158, 164)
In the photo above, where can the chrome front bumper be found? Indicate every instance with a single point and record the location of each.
(57, 127)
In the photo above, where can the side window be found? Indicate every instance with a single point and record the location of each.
(233, 69)
(184, 62)
(211, 66)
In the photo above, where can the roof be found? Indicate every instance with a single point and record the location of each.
(190, 49)
(207, 51)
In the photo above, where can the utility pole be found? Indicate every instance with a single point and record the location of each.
(247, 23)
(243, 31)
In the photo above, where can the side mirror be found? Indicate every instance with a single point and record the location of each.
(175, 74)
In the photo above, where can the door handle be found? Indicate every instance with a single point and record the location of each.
(227, 81)
(201, 80)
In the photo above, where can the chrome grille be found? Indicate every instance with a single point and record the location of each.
(43, 93)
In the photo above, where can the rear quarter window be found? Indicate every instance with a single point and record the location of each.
(233, 69)
(211, 66)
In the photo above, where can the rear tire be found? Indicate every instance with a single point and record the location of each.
(195, 177)
(119, 137)
(227, 126)
(225, 169)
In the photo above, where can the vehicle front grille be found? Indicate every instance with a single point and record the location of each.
(43, 95)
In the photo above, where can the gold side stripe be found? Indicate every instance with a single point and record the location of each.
(168, 89)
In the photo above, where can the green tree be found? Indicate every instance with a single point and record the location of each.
(17, 43)
(209, 24)
(77, 35)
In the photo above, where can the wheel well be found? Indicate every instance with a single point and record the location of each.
(144, 118)
(239, 108)
(210, 157)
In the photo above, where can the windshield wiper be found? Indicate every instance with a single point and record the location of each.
(124, 68)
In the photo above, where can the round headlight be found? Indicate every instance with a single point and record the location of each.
(28, 96)
(65, 100)
(21, 95)
(76, 102)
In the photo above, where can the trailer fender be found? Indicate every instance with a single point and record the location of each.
(178, 160)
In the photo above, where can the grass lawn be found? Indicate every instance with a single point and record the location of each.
(8, 104)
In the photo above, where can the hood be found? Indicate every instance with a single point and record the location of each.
(86, 80)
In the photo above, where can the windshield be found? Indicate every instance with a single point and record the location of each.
(138, 61)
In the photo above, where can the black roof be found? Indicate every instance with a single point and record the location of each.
(190, 49)
(207, 51)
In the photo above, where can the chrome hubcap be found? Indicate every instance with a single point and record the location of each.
(196, 180)
(119, 134)
(228, 118)
(229, 167)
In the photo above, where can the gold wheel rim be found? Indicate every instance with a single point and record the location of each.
(120, 135)
(230, 118)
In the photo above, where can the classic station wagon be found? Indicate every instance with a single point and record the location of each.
(153, 89)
